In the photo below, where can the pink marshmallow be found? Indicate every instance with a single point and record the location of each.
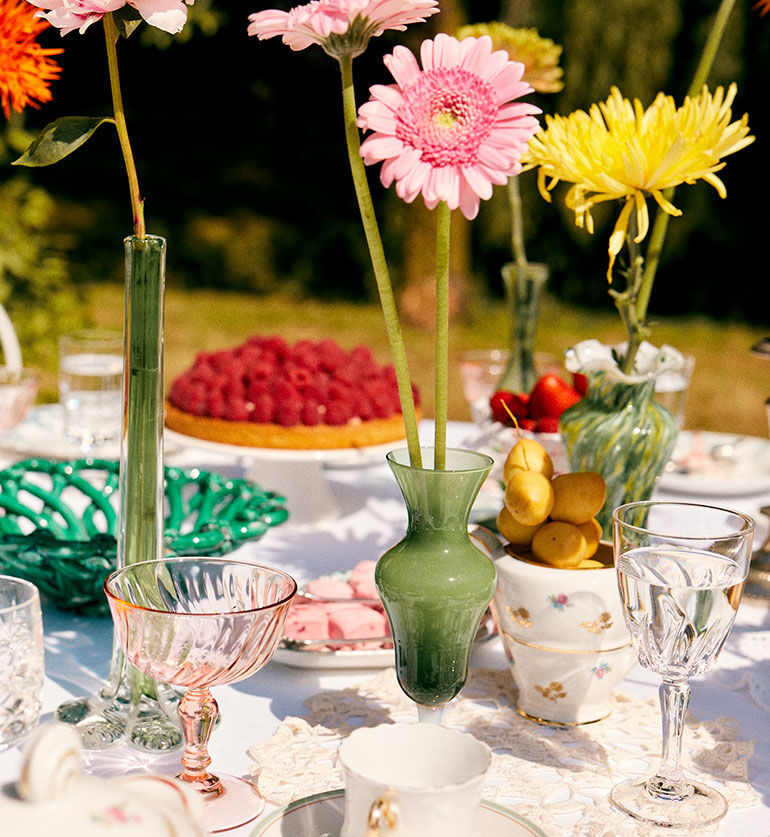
(306, 621)
(329, 588)
(357, 622)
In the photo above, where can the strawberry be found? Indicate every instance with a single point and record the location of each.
(551, 396)
(516, 402)
(549, 424)
(527, 424)
(580, 382)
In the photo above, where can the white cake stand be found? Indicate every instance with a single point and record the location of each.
(296, 474)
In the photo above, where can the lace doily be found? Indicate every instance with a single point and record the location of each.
(557, 777)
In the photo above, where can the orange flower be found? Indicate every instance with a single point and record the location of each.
(763, 6)
(26, 69)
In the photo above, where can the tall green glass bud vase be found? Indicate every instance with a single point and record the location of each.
(132, 707)
(524, 285)
(618, 429)
(435, 583)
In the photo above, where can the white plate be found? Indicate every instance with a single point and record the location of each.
(321, 815)
(377, 658)
(330, 458)
(42, 434)
(749, 475)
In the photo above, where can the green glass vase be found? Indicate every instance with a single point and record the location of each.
(620, 431)
(133, 707)
(435, 583)
(524, 285)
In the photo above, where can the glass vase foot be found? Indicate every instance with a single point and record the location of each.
(111, 717)
(697, 805)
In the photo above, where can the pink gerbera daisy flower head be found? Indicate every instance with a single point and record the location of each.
(450, 130)
(341, 27)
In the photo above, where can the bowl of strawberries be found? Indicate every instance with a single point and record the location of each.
(537, 413)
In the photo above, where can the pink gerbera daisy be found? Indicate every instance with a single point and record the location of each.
(449, 130)
(341, 27)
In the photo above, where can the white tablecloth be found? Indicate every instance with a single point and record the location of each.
(371, 518)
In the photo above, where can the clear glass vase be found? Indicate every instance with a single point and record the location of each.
(435, 583)
(132, 707)
(524, 284)
(618, 429)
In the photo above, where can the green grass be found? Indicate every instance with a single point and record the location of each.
(727, 393)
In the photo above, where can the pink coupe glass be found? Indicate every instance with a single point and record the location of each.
(198, 623)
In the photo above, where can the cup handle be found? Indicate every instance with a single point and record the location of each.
(382, 809)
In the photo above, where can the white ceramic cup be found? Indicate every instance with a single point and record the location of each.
(412, 780)
(21, 660)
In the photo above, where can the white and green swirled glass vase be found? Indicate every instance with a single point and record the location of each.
(618, 429)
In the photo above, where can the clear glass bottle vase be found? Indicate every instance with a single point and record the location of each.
(435, 583)
(132, 707)
(524, 285)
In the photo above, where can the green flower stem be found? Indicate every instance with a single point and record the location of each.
(443, 219)
(137, 204)
(379, 263)
(660, 224)
(517, 221)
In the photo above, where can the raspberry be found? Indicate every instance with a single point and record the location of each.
(277, 345)
(233, 390)
(298, 376)
(330, 355)
(215, 405)
(256, 388)
(362, 407)
(288, 413)
(285, 391)
(311, 413)
(338, 412)
(264, 407)
(237, 411)
(338, 391)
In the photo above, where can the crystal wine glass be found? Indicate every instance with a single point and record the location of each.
(681, 569)
(198, 623)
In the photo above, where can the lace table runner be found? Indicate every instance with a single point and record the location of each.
(557, 777)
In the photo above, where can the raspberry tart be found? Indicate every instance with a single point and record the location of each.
(266, 393)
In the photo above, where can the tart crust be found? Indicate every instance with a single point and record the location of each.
(354, 434)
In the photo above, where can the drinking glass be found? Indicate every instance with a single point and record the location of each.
(91, 386)
(198, 623)
(681, 569)
(21, 659)
(671, 388)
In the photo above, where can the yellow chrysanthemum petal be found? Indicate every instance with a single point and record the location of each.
(620, 150)
(618, 235)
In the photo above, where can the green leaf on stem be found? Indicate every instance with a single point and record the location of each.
(60, 138)
(126, 19)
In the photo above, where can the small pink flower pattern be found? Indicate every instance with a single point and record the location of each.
(559, 600)
(601, 669)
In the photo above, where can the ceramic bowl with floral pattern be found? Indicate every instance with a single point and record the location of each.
(564, 636)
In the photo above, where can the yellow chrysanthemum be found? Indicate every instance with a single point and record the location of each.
(618, 150)
(26, 69)
(540, 56)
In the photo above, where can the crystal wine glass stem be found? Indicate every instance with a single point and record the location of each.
(669, 782)
(198, 712)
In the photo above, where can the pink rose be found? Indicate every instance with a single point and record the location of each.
(68, 15)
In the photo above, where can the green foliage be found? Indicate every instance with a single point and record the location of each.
(60, 138)
(35, 287)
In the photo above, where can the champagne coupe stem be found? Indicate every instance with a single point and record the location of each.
(430, 714)
(669, 784)
(198, 713)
